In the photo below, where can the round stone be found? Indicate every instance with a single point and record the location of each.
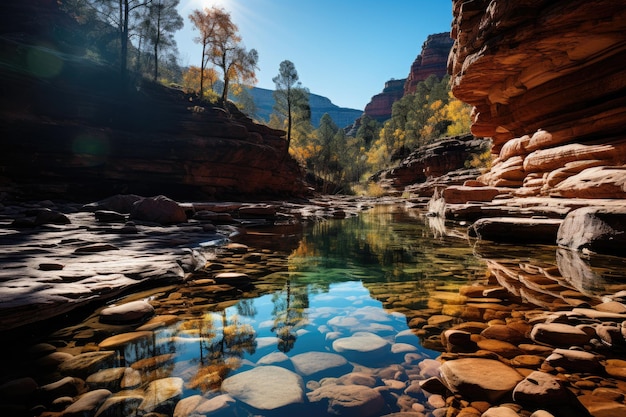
(266, 387)
(467, 377)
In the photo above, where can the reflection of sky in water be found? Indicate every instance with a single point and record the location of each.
(346, 308)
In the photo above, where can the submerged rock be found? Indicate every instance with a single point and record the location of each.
(349, 400)
(266, 387)
(316, 365)
(162, 395)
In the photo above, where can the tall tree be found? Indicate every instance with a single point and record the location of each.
(162, 21)
(237, 63)
(120, 14)
(209, 22)
(289, 95)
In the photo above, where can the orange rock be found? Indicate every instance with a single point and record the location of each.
(597, 182)
(459, 194)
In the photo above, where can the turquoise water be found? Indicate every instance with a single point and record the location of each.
(349, 291)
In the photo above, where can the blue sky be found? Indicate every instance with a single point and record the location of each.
(342, 49)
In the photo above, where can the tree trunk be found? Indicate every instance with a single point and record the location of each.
(124, 9)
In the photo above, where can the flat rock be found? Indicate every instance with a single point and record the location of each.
(467, 377)
(558, 334)
(162, 395)
(87, 404)
(349, 400)
(132, 312)
(88, 363)
(362, 345)
(120, 340)
(120, 405)
(266, 387)
(516, 230)
(316, 365)
(574, 360)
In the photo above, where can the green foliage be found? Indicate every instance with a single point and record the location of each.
(417, 120)
(481, 160)
(291, 100)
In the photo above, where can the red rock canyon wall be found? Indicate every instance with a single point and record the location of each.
(547, 82)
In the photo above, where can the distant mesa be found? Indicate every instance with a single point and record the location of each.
(432, 60)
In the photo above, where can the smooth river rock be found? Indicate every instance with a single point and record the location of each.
(266, 387)
(349, 400)
(316, 365)
(480, 379)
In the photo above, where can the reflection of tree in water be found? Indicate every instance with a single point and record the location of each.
(289, 314)
(221, 348)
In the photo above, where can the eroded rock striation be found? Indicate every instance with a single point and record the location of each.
(547, 84)
(432, 60)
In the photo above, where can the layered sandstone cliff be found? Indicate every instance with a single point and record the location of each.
(548, 85)
(432, 60)
(69, 130)
(379, 107)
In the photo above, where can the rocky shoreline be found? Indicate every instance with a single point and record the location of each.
(530, 339)
(58, 257)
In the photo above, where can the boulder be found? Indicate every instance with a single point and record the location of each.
(597, 229)
(466, 377)
(516, 230)
(159, 209)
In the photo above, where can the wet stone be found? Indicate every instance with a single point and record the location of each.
(559, 334)
(87, 404)
(266, 387)
(117, 341)
(67, 386)
(504, 349)
(541, 389)
(316, 365)
(162, 395)
(88, 363)
(574, 360)
(349, 400)
(18, 389)
(132, 312)
(362, 346)
(120, 405)
(107, 378)
(467, 377)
